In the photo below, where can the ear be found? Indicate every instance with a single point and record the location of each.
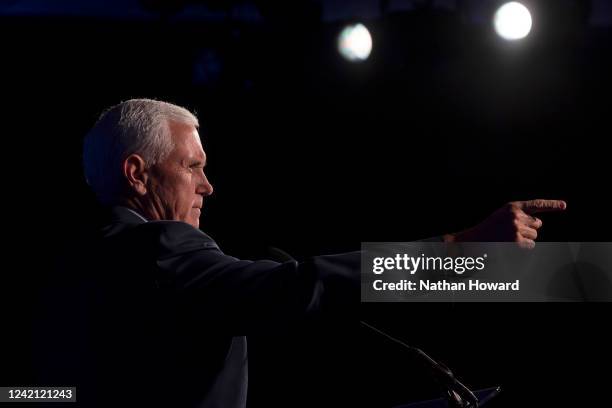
(135, 172)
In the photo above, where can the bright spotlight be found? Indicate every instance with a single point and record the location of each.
(512, 21)
(355, 42)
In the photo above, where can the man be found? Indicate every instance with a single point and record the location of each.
(166, 301)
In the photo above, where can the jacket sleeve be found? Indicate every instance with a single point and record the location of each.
(241, 296)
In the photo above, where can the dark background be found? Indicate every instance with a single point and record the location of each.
(307, 152)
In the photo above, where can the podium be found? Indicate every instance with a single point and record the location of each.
(484, 396)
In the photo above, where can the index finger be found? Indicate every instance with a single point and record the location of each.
(538, 206)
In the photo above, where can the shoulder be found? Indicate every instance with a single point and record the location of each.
(168, 238)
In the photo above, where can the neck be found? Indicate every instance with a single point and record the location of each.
(147, 211)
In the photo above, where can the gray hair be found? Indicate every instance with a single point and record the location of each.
(136, 126)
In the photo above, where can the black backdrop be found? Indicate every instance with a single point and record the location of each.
(314, 155)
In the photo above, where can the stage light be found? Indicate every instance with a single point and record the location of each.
(512, 21)
(355, 42)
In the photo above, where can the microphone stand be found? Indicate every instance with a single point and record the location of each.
(457, 394)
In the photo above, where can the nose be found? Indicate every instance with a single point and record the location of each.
(205, 188)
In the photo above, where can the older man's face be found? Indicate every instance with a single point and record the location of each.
(178, 185)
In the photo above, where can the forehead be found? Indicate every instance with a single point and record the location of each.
(186, 141)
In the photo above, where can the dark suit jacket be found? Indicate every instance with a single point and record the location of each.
(162, 312)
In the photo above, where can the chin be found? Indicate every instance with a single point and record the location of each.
(194, 217)
(195, 223)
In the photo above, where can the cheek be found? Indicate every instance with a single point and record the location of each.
(185, 198)
(176, 193)
(171, 198)
(161, 193)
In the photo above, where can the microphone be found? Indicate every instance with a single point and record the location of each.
(457, 394)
